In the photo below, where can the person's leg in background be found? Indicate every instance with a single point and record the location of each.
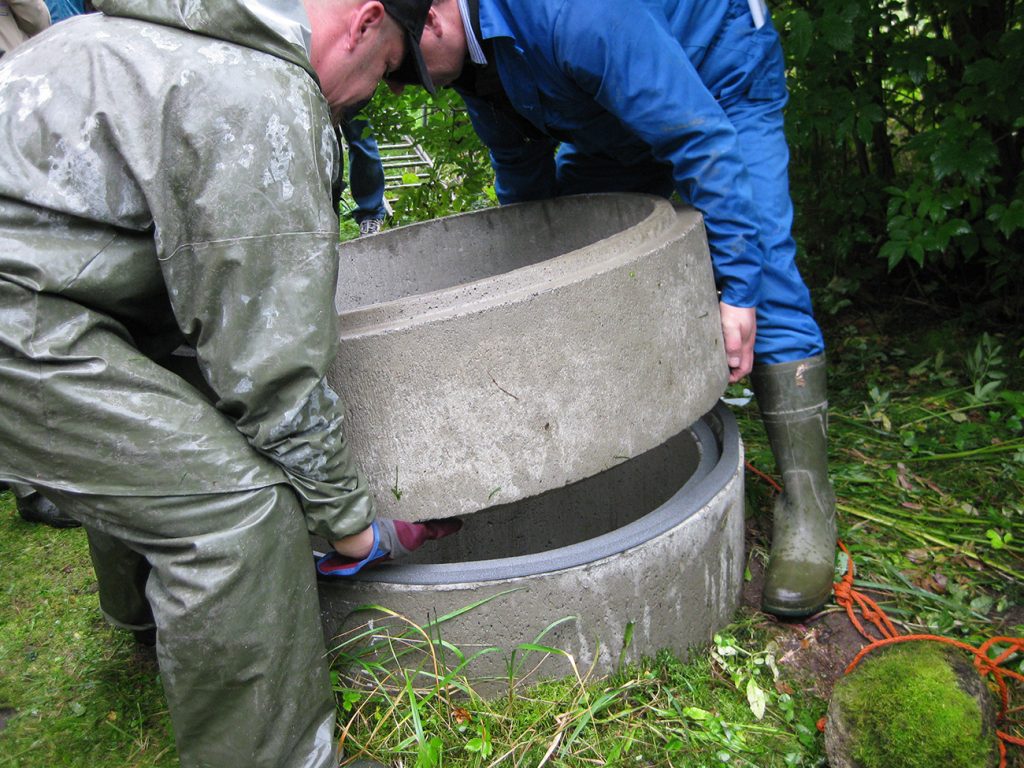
(365, 176)
(121, 577)
(36, 508)
(789, 376)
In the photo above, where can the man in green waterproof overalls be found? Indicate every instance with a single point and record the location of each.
(167, 177)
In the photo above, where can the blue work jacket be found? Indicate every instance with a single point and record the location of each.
(641, 82)
(64, 9)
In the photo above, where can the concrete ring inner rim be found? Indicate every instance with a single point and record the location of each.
(381, 314)
(717, 434)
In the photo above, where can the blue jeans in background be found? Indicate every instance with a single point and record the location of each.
(366, 174)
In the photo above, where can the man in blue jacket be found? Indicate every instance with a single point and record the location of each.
(657, 96)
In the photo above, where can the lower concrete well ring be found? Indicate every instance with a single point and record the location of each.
(650, 550)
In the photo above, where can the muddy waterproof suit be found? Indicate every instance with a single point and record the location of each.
(167, 176)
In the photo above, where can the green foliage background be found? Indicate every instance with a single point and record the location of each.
(904, 124)
(461, 178)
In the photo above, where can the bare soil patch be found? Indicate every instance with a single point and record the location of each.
(814, 652)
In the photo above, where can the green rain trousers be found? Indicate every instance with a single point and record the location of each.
(234, 600)
(168, 178)
(229, 576)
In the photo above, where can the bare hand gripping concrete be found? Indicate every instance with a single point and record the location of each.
(492, 356)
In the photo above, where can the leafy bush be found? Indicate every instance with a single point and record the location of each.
(461, 178)
(904, 123)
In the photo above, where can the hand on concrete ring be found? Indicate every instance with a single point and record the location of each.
(400, 538)
(739, 326)
(384, 540)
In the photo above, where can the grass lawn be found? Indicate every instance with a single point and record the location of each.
(928, 462)
(73, 691)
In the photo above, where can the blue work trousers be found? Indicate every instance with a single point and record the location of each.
(365, 171)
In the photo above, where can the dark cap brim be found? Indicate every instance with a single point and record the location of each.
(412, 70)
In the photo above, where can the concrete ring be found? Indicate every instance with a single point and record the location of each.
(491, 356)
(666, 576)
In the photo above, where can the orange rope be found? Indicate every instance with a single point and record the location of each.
(767, 478)
(852, 600)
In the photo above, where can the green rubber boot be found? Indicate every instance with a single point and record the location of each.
(794, 409)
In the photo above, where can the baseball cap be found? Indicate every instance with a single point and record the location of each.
(411, 16)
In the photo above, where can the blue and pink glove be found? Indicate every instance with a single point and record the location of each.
(392, 540)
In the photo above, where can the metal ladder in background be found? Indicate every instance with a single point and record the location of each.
(401, 160)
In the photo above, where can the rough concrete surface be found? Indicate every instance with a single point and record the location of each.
(491, 356)
(655, 543)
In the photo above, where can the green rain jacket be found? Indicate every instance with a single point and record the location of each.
(169, 177)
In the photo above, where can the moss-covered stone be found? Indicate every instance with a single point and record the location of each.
(912, 705)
